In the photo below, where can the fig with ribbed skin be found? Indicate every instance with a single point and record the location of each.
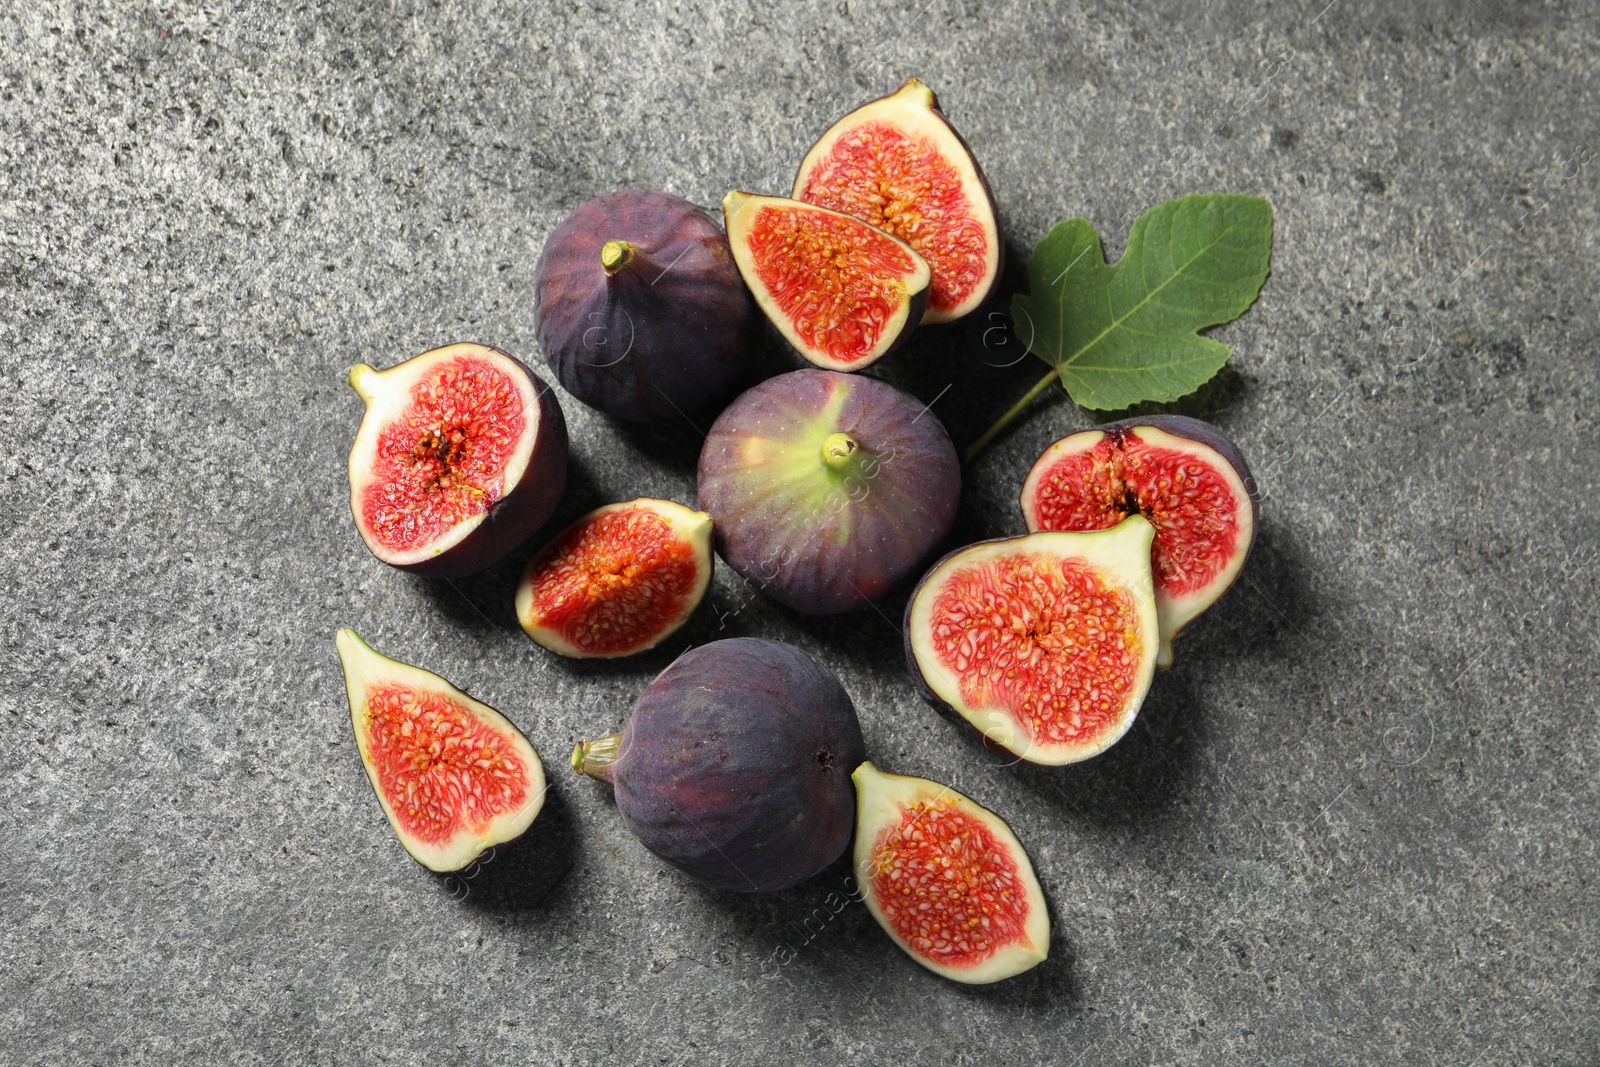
(828, 488)
(641, 311)
(735, 766)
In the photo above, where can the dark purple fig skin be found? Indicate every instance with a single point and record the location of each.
(518, 514)
(667, 336)
(905, 511)
(735, 767)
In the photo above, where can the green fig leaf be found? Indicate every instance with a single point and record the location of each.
(1126, 333)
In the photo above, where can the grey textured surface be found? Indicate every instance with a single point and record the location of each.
(1356, 821)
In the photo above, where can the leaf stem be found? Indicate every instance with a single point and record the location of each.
(974, 449)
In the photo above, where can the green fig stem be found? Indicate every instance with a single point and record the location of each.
(614, 255)
(360, 379)
(595, 758)
(977, 447)
(837, 450)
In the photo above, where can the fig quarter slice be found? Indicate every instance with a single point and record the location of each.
(897, 163)
(454, 776)
(461, 455)
(1182, 474)
(1045, 644)
(842, 292)
(617, 581)
(947, 879)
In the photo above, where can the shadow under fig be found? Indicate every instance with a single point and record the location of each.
(1136, 778)
(518, 878)
(1270, 611)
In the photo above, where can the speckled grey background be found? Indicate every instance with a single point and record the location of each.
(1355, 823)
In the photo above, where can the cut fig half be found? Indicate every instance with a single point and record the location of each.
(461, 455)
(617, 581)
(1182, 474)
(843, 293)
(897, 163)
(947, 879)
(454, 776)
(1045, 644)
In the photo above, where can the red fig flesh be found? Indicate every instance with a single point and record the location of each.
(1183, 475)
(841, 292)
(617, 581)
(947, 879)
(454, 776)
(897, 163)
(461, 455)
(1045, 644)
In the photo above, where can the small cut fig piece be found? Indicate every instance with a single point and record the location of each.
(898, 164)
(461, 456)
(828, 488)
(947, 879)
(641, 312)
(454, 776)
(618, 580)
(843, 293)
(1182, 474)
(1045, 644)
(735, 767)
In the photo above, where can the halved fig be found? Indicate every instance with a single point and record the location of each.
(947, 879)
(841, 292)
(735, 767)
(641, 311)
(618, 580)
(897, 163)
(1045, 644)
(828, 488)
(461, 455)
(454, 776)
(1182, 474)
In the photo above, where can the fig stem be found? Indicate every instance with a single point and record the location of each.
(614, 255)
(837, 450)
(595, 758)
(977, 447)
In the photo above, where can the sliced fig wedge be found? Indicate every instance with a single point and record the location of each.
(843, 293)
(454, 776)
(1045, 644)
(828, 488)
(1182, 474)
(618, 580)
(461, 455)
(947, 879)
(897, 163)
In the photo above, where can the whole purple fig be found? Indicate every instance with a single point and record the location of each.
(641, 311)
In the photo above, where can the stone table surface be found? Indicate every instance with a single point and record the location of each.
(1355, 822)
